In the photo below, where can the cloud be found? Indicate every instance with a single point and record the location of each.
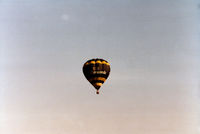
(65, 17)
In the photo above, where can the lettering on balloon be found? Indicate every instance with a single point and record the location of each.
(98, 72)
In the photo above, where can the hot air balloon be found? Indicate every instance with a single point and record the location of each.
(96, 72)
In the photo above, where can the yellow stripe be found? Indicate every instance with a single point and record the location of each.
(107, 64)
(104, 62)
(97, 84)
(97, 78)
(92, 62)
(88, 63)
(98, 61)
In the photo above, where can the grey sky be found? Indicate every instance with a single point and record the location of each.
(153, 49)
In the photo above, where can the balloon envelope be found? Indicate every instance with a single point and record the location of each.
(96, 72)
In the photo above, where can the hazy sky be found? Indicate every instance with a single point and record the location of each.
(152, 46)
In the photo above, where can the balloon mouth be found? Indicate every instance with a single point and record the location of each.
(97, 92)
